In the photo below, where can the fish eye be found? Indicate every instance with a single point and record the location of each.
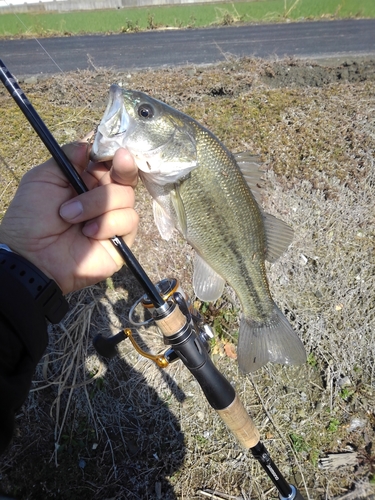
(145, 111)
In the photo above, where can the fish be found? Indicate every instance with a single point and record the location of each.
(211, 197)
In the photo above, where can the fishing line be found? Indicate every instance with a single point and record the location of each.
(79, 95)
(35, 39)
(68, 169)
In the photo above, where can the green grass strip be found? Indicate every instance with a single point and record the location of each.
(136, 19)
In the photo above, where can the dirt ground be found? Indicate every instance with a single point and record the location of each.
(125, 429)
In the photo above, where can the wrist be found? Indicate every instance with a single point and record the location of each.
(7, 242)
(42, 289)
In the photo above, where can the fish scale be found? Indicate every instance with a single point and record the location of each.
(242, 245)
(208, 195)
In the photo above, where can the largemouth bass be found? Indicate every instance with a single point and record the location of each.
(209, 196)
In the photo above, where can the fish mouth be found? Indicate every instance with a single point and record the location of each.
(112, 128)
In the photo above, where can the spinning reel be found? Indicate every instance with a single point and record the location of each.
(170, 290)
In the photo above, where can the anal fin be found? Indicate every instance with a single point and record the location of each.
(278, 236)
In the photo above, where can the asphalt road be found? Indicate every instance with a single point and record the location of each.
(180, 47)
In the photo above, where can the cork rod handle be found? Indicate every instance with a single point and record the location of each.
(172, 323)
(219, 392)
(240, 424)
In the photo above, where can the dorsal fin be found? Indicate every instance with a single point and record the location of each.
(278, 236)
(249, 165)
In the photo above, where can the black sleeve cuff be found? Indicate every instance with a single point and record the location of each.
(23, 332)
(43, 290)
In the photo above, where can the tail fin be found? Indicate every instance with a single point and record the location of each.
(273, 341)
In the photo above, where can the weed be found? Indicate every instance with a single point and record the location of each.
(228, 19)
(109, 283)
(333, 425)
(312, 360)
(151, 23)
(298, 442)
(220, 316)
(314, 457)
(130, 27)
(288, 10)
(191, 23)
(202, 440)
(346, 393)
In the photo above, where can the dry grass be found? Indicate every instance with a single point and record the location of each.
(125, 429)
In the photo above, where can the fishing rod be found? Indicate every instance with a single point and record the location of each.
(72, 175)
(169, 307)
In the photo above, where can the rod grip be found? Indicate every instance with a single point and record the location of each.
(240, 423)
(171, 323)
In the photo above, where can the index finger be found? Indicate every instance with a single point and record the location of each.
(78, 153)
(121, 170)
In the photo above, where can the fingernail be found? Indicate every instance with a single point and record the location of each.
(90, 229)
(69, 211)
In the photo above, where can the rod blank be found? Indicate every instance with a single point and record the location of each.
(74, 178)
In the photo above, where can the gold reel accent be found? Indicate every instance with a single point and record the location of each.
(173, 286)
(158, 359)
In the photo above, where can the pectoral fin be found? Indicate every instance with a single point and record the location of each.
(278, 236)
(163, 222)
(208, 285)
(179, 209)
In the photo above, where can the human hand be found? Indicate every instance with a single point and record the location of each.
(67, 236)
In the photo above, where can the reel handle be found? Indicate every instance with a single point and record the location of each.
(106, 346)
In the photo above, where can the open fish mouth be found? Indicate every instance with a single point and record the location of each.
(114, 125)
